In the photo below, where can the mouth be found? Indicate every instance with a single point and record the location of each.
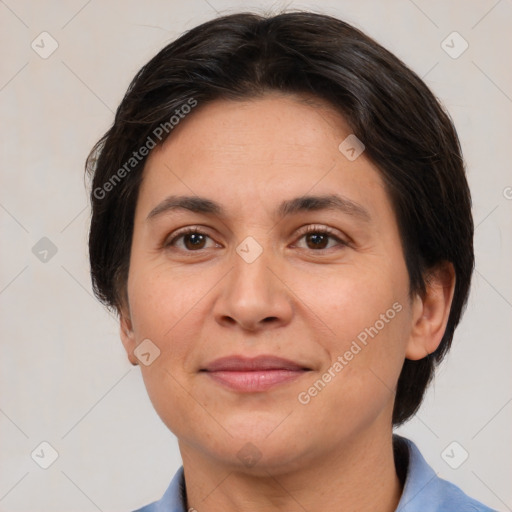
(253, 375)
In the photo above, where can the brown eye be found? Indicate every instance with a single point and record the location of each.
(189, 239)
(317, 240)
(194, 241)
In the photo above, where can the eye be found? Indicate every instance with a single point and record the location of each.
(193, 239)
(318, 238)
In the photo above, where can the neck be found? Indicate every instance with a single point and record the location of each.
(359, 476)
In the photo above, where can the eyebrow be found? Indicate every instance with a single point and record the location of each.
(287, 208)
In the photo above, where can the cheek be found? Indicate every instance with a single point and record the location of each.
(160, 307)
(162, 310)
(160, 299)
(351, 299)
(367, 313)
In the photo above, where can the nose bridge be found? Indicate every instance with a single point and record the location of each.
(251, 261)
(252, 294)
(250, 280)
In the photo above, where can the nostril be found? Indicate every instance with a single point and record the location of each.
(229, 320)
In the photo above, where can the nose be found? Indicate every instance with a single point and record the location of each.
(253, 295)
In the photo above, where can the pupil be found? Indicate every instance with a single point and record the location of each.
(195, 239)
(318, 240)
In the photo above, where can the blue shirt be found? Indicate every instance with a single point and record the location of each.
(423, 490)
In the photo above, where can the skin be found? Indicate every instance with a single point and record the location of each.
(296, 301)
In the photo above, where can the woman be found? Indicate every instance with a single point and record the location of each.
(282, 221)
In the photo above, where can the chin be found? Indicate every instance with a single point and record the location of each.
(262, 457)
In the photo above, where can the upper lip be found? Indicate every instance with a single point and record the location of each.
(241, 363)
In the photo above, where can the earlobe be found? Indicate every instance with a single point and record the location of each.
(431, 311)
(127, 336)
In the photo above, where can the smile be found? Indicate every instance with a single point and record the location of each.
(255, 381)
(253, 375)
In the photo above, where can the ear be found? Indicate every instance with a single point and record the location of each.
(431, 311)
(127, 334)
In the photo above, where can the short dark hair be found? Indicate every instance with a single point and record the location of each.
(407, 134)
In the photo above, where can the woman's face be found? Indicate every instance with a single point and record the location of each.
(260, 277)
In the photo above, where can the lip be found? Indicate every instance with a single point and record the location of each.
(252, 375)
(247, 364)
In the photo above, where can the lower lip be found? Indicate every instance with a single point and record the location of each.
(254, 381)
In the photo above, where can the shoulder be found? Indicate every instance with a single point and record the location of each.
(173, 499)
(424, 491)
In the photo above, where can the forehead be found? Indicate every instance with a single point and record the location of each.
(259, 151)
(274, 125)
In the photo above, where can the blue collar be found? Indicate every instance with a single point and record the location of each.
(423, 491)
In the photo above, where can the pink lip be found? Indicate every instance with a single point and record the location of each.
(253, 374)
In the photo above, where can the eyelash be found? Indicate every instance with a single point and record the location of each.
(320, 230)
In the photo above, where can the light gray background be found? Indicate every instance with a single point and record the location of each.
(64, 376)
